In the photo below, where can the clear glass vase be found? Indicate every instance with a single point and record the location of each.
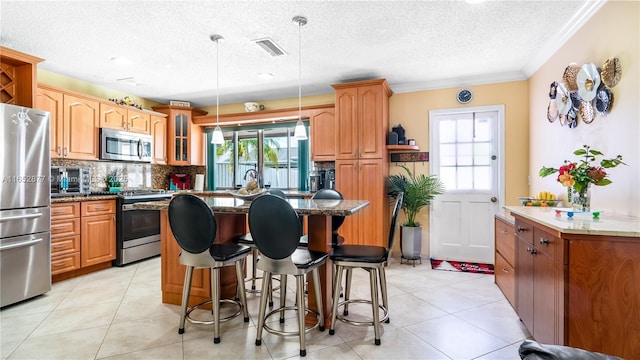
(581, 200)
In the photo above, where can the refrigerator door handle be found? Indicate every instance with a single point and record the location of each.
(18, 217)
(21, 244)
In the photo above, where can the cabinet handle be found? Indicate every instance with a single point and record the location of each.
(544, 241)
(58, 150)
(505, 271)
(65, 152)
(521, 229)
(113, 218)
(505, 232)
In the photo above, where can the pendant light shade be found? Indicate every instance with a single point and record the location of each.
(300, 133)
(217, 138)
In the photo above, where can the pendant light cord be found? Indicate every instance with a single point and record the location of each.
(300, 24)
(217, 82)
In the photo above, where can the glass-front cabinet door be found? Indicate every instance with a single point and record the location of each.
(181, 137)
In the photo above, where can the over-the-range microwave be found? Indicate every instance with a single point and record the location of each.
(123, 145)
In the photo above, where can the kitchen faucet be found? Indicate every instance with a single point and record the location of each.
(253, 174)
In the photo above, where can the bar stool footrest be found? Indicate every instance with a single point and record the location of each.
(289, 333)
(342, 318)
(222, 319)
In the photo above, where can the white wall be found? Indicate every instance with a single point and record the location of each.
(613, 31)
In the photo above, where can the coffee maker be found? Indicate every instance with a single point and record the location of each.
(330, 179)
(317, 180)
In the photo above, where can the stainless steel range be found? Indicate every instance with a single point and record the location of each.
(137, 230)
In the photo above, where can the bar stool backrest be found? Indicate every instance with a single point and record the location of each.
(192, 223)
(394, 218)
(275, 226)
(330, 194)
(277, 192)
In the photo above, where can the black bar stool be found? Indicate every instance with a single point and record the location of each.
(194, 228)
(275, 228)
(372, 259)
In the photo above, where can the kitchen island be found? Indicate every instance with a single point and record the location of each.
(578, 279)
(231, 216)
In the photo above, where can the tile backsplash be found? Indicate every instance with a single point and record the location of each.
(132, 175)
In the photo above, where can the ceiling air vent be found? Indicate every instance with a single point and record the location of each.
(268, 45)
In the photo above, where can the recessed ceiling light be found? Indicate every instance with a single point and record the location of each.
(121, 60)
(265, 76)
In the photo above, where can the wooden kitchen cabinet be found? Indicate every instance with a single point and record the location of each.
(65, 237)
(159, 144)
(185, 140)
(362, 116)
(360, 179)
(576, 287)
(74, 123)
(98, 232)
(323, 135)
(51, 101)
(505, 256)
(19, 72)
(540, 281)
(362, 112)
(118, 117)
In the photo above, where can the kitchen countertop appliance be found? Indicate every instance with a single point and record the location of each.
(316, 180)
(137, 230)
(25, 204)
(124, 145)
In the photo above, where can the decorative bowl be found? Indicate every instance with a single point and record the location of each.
(248, 197)
(531, 201)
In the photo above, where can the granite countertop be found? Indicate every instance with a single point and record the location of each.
(76, 198)
(230, 205)
(226, 193)
(608, 224)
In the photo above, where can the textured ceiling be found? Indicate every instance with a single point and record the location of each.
(415, 45)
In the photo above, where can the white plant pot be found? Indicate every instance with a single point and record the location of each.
(411, 242)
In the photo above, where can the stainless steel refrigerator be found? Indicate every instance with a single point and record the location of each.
(25, 203)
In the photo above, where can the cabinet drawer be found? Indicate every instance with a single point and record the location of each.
(505, 241)
(550, 244)
(65, 245)
(506, 278)
(65, 228)
(65, 211)
(90, 208)
(65, 263)
(524, 230)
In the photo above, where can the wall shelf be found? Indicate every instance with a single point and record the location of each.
(402, 148)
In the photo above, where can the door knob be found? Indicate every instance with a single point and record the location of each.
(494, 199)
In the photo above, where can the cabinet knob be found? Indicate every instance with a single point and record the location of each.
(544, 241)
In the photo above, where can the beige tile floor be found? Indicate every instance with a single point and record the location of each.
(117, 314)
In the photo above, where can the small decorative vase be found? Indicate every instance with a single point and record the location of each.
(582, 200)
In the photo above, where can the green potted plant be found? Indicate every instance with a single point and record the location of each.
(113, 180)
(419, 191)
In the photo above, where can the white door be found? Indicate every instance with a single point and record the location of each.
(466, 153)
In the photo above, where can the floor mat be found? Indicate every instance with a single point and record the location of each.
(451, 265)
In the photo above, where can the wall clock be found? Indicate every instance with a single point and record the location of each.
(464, 96)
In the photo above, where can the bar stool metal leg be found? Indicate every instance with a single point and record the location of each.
(215, 303)
(373, 279)
(347, 292)
(263, 307)
(185, 297)
(283, 296)
(336, 298)
(316, 287)
(241, 290)
(383, 289)
(301, 312)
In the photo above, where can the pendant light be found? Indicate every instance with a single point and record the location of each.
(217, 138)
(300, 133)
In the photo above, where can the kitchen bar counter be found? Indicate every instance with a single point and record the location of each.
(226, 193)
(76, 198)
(577, 279)
(607, 224)
(231, 216)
